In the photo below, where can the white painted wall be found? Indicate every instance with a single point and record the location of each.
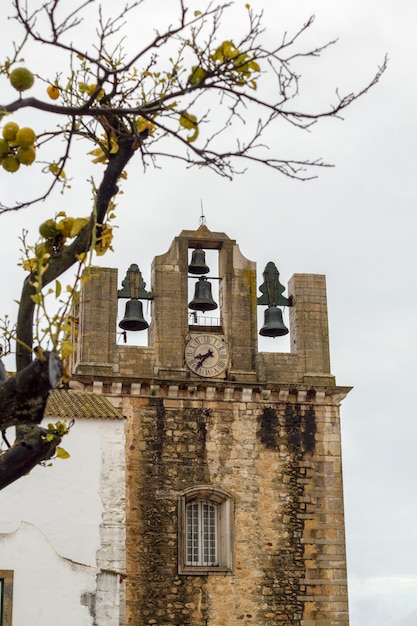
(73, 516)
(46, 590)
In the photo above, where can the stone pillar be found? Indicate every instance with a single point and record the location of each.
(98, 316)
(308, 323)
(169, 324)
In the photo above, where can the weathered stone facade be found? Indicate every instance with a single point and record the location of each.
(265, 431)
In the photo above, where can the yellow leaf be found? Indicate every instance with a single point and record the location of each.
(43, 250)
(61, 453)
(65, 226)
(254, 66)
(100, 155)
(30, 265)
(197, 75)
(78, 225)
(187, 120)
(225, 52)
(82, 257)
(114, 146)
(58, 289)
(65, 375)
(143, 125)
(194, 136)
(55, 169)
(104, 241)
(66, 348)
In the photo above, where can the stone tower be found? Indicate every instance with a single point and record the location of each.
(233, 474)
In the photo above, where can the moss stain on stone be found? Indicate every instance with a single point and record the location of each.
(268, 431)
(174, 459)
(283, 581)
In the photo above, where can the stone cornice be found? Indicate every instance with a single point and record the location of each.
(211, 390)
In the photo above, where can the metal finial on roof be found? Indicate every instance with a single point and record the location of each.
(202, 216)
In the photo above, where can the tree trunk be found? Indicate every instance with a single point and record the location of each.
(25, 453)
(23, 397)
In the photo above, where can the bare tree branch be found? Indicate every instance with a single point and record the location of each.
(192, 87)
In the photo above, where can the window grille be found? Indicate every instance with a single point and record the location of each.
(201, 531)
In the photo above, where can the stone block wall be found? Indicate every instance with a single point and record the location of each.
(281, 464)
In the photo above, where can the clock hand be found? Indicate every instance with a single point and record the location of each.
(202, 357)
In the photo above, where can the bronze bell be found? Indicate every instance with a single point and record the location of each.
(133, 319)
(198, 262)
(273, 323)
(203, 300)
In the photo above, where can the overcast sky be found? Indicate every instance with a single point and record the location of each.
(356, 223)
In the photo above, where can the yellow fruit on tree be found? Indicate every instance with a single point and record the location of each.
(10, 164)
(21, 78)
(48, 229)
(10, 131)
(53, 92)
(25, 137)
(26, 156)
(4, 147)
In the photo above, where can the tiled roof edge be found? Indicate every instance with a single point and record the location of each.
(72, 405)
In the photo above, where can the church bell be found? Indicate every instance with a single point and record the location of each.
(203, 300)
(198, 262)
(273, 323)
(133, 319)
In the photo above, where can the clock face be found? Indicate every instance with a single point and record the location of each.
(206, 355)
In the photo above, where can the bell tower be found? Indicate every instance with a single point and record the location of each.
(174, 322)
(234, 511)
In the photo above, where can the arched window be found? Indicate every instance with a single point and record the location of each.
(205, 530)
